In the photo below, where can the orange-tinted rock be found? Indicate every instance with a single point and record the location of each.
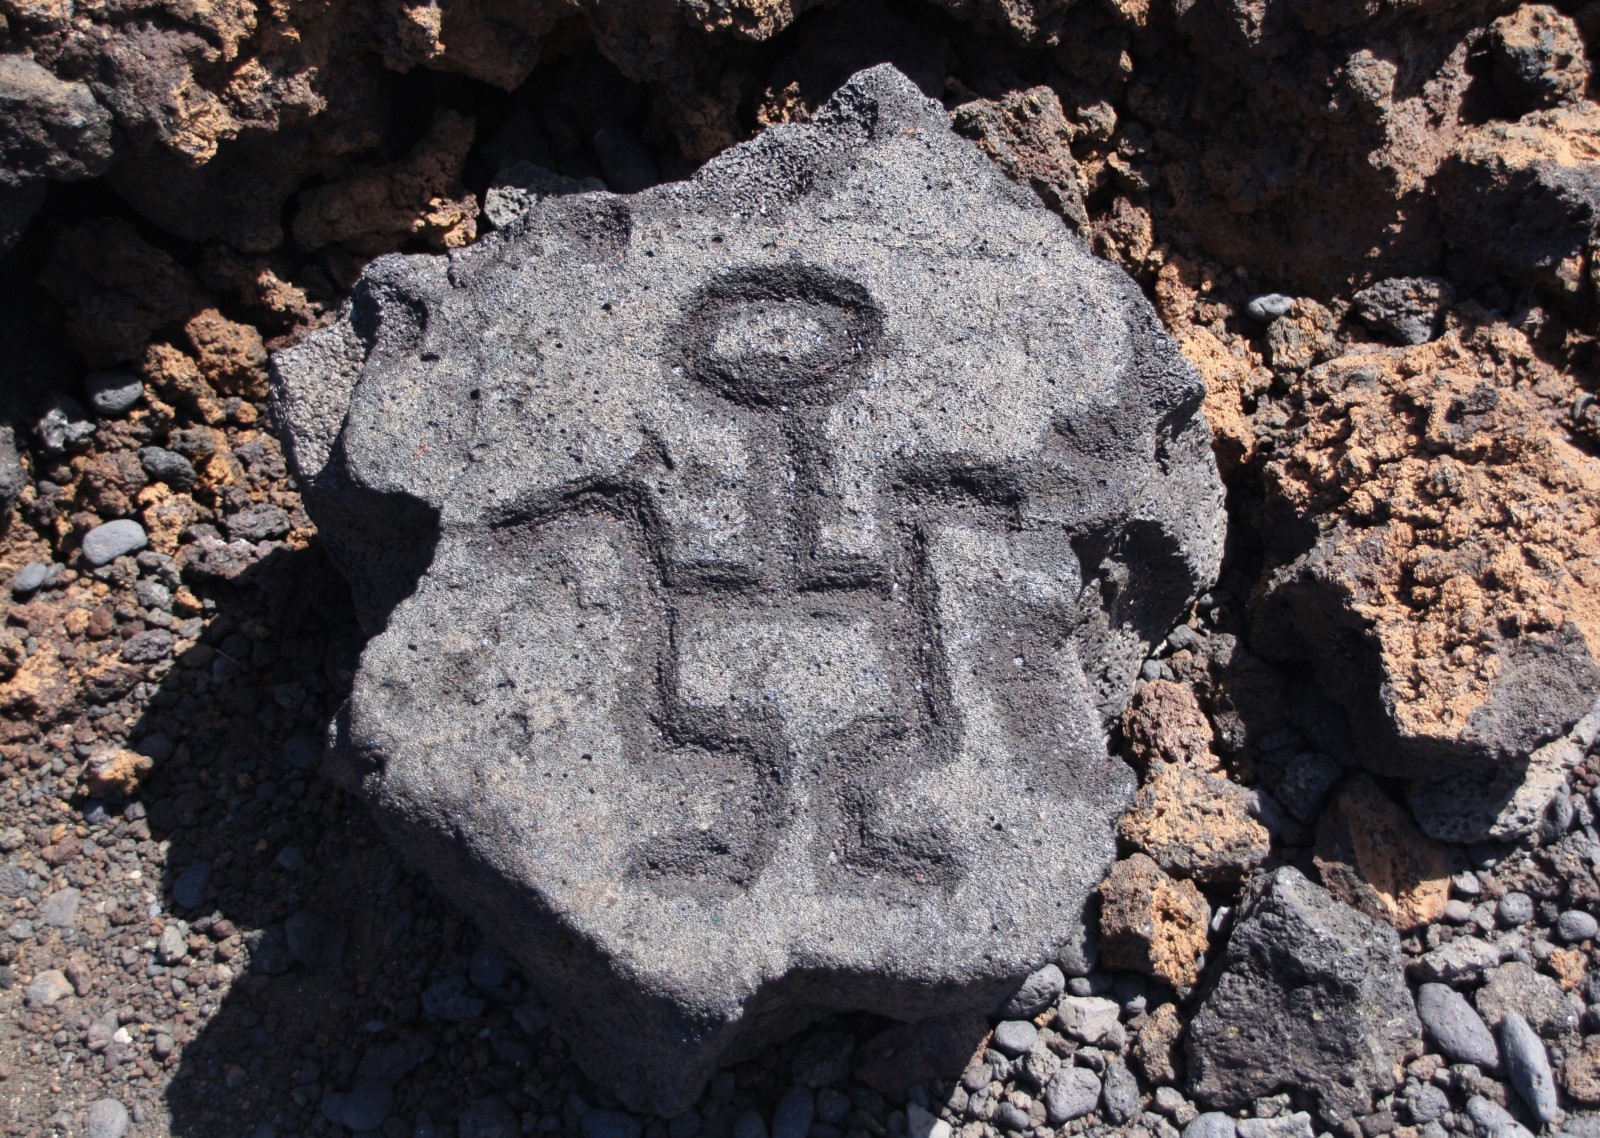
(1452, 601)
(1028, 136)
(231, 356)
(1152, 923)
(1373, 858)
(1580, 1075)
(1164, 723)
(115, 770)
(1539, 59)
(1195, 824)
(1157, 1047)
(420, 196)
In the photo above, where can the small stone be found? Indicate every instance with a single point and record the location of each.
(173, 945)
(1455, 1027)
(1539, 58)
(492, 1118)
(1466, 884)
(1156, 1047)
(1015, 1036)
(1088, 1019)
(1152, 923)
(1513, 909)
(1456, 912)
(450, 999)
(1516, 987)
(47, 988)
(488, 969)
(1211, 1124)
(189, 890)
(115, 771)
(1269, 306)
(167, 466)
(1164, 723)
(1073, 1093)
(1309, 993)
(1528, 1066)
(1575, 925)
(260, 522)
(920, 1123)
(1372, 857)
(1041, 989)
(60, 909)
(823, 1059)
(163, 1046)
(1425, 1102)
(833, 1105)
(1408, 308)
(1463, 958)
(1297, 1125)
(1120, 1095)
(112, 392)
(105, 543)
(106, 1118)
(1494, 1120)
(1168, 1100)
(30, 579)
(367, 1107)
(1195, 824)
(1308, 780)
(749, 1124)
(793, 1114)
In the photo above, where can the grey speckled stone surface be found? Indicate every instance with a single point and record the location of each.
(755, 565)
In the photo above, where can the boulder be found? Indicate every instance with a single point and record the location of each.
(1308, 995)
(755, 568)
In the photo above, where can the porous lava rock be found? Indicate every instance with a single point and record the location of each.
(756, 567)
(1308, 996)
(1450, 597)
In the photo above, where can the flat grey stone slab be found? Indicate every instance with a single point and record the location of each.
(755, 566)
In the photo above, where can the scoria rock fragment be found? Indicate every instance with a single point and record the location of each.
(756, 566)
(1309, 995)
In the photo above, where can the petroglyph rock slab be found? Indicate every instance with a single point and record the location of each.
(755, 565)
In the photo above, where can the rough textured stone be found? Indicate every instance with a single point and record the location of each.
(775, 562)
(1580, 1075)
(1037, 992)
(1425, 470)
(1156, 1049)
(1539, 59)
(1195, 824)
(1164, 723)
(1308, 995)
(1507, 803)
(1408, 308)
(1152, 923)
(1372, 857)
(1516, 987)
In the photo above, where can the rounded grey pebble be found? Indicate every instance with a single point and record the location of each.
(30, 578)
(488, 969)
(189, 890)
(794, 1112)
(1575, 925)
(1528, 1066)
(105, 543)
(107, 1118)
(112, 392)
(1514, 909)
(1037, 992)
(747, 1125)
(1455, 1026)
(167, 466)
(1015, 1036)
(832, 1105)
(367, 1107)
(1073, 1093)
(1457, 911)
(1212, 1124)
(1269, 306)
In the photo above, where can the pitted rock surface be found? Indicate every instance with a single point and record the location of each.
(755, 566)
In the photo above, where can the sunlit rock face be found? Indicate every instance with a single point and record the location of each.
(754, 566)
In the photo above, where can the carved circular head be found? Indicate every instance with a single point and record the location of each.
(782, 334)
